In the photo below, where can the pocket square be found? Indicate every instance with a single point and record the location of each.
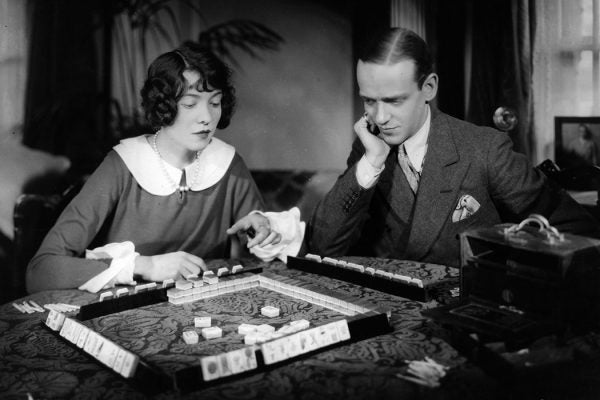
(466, 206)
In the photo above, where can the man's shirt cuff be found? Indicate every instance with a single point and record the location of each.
(367, 174)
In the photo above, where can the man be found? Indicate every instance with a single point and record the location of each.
(422, 177)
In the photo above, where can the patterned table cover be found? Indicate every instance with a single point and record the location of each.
(34, 363)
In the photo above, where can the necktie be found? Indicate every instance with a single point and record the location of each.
(412, 176)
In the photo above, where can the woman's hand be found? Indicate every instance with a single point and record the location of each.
(257, 228)
(168, 266)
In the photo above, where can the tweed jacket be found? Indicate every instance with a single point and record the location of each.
(388, 221)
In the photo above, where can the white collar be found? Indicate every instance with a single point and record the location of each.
(144, 165)
(416, 145)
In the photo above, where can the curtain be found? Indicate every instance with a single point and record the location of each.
(13, 61)
(501, 40)
(64, 100)
(408, 14)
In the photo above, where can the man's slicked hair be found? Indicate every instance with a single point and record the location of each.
(392, 45)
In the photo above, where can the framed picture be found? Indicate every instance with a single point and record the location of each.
(576, 141)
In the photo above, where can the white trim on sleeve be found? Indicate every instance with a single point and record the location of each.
(121, 267)
(288, 224)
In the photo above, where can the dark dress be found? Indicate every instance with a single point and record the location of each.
(114, 207)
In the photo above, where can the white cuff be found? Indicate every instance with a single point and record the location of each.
(121, 267)
(366, 173)
(288, 224)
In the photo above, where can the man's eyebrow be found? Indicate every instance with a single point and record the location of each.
(386, 99)
(394, 98)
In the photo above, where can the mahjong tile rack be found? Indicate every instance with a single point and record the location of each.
(359, 320)
(409, 279)
(126, 298)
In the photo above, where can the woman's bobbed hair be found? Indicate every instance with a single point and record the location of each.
(166, 85)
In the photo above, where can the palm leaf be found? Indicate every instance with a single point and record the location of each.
(192, 6)
(140, 21)
(245, 35)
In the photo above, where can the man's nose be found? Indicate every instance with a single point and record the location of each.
(381, 114)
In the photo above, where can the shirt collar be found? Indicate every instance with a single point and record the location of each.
(146, 168)
(416, 145)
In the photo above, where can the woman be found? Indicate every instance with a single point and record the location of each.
(158, 203)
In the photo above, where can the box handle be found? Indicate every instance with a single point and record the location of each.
(552, 234)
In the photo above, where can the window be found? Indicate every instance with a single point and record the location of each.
(566, 66)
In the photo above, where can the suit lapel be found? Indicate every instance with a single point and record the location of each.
(442, 174)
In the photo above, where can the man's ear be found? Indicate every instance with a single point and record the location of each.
(430, 86)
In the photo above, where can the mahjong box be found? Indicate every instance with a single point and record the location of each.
(519, 282)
